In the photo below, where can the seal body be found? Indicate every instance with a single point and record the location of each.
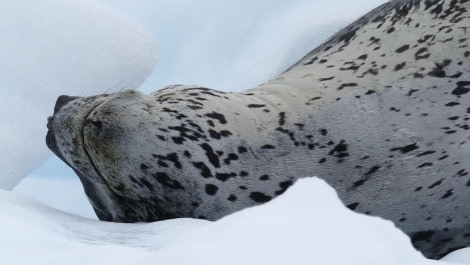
(380, 111)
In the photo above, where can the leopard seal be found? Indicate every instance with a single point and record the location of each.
(380, 111)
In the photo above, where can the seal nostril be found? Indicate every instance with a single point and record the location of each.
(62, 101)
(49, 122)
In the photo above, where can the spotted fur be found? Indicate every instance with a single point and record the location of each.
(380, 111)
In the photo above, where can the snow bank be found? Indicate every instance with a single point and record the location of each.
(33, 233)
(306, 225)
(54, 47)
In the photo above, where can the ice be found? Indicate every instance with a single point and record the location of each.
(34, 233)
(308, 224)
(54, 47)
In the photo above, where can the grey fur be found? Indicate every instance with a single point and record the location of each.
(380, 111)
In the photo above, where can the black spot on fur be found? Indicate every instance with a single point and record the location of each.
(435, 184)
(177, 139)
(311, 61)
(211, 189)
(254, 106)
(437, 72)
(447, 194)
(259, 197)
(243, 174)
(284, 186)
(232, 198)
(400, 66)
(359, 183)
(353, 206)
(422, 236)
(268, 146)
(173, 157)
(326, 79)
(428, 164)
(362, 57)
(217, 116)
(213, 157)
(463, 87)
(346, 37)
(452, 104)
(162, 164)
(340, 150)
(406, 149)
(230, 157)
(211, 123)
(372, 170)
(214, 134)
(346, 85)
(166, 181)
(426, 153)
(205, 171)
(264, 177)
(224, 176)
(146, 183)
(422, 53)
(282, 118)
(402, 48)
(242, 149)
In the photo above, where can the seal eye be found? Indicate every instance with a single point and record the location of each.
(97, 124)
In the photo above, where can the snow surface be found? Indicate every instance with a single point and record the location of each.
(228, 45)
(54, 47)
(294, 228)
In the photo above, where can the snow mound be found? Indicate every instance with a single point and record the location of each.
(33, 233)
(54, 47)
(306, 225)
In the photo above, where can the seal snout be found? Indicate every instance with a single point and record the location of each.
(50, 137)
(62, 101)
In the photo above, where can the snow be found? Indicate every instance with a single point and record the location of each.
(296, 228)
(34, 233)
(54, 47)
